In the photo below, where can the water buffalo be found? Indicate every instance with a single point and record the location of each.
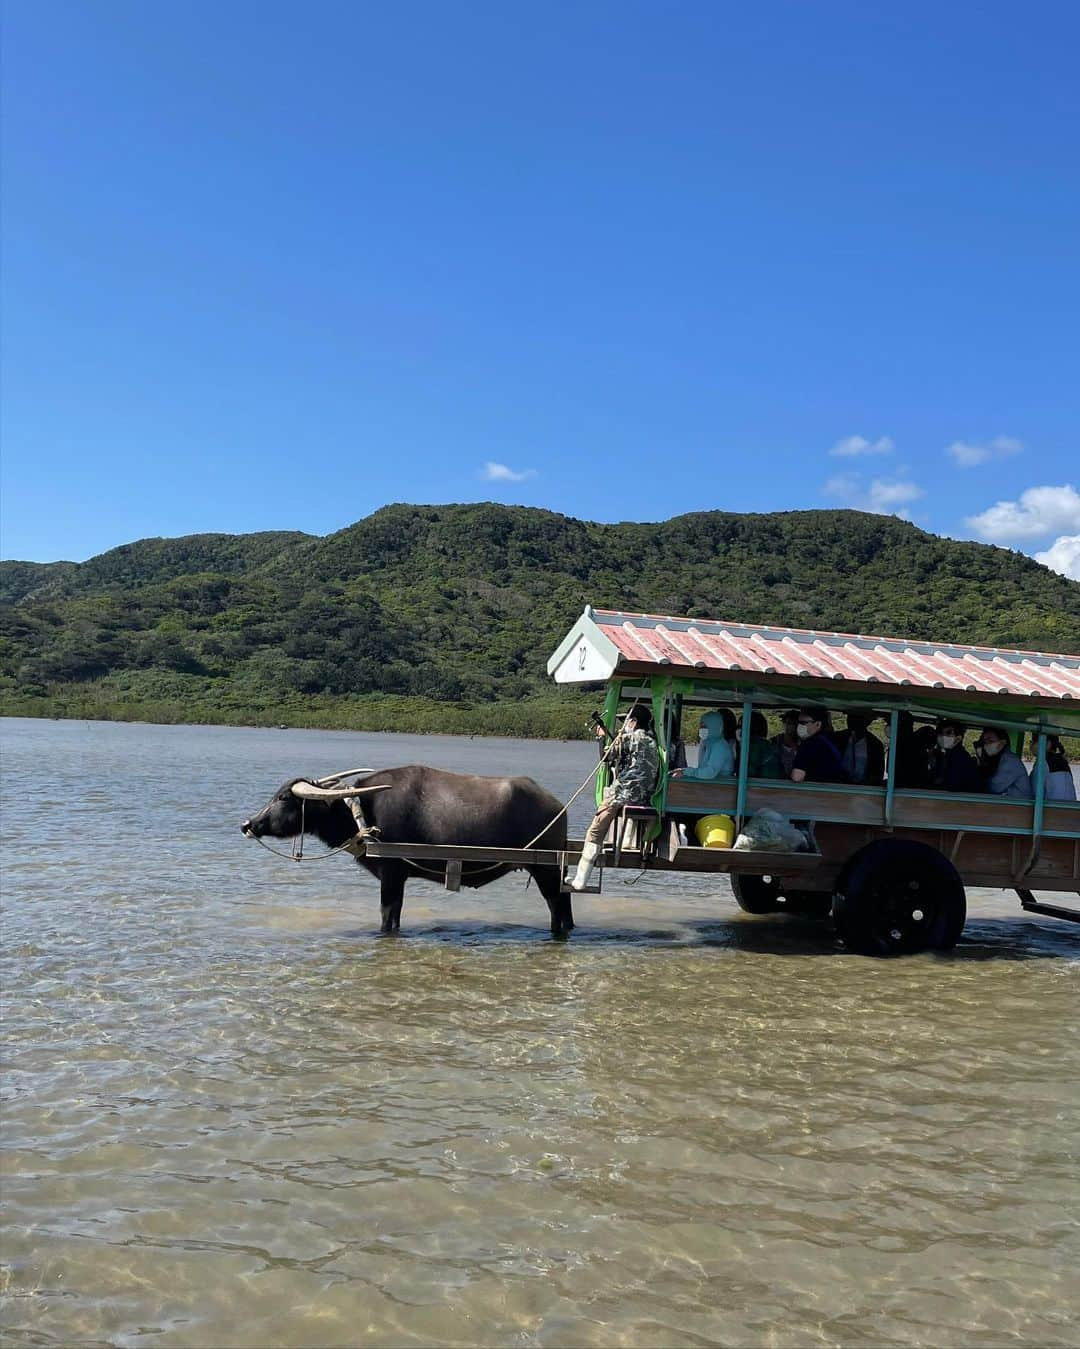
(425, 805)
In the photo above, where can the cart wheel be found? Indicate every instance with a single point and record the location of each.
(809, 903)
(895, 898)
(756, 894)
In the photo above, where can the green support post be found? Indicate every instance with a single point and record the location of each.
(661, 694)
(744, 763)
(1040, 801)
(890, 782)
(611, 712)
(1040, 785)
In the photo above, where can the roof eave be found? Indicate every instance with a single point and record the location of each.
(740, 678)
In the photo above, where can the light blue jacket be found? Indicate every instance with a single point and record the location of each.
(1059, 786)
(1010, 777)
(716, 759)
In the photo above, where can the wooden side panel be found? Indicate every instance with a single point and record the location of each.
(804, 801)
(1057, 861)
(986, 854)
(705, 797)
(945, 810)
(837, 842)
(866, 805)
(988, 840)
(1062, 818)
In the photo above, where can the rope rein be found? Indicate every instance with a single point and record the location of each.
(533, 841)
(357, 845)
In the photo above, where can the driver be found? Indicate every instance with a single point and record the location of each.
(635, 763)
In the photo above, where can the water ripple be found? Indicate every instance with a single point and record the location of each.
(235, 1116)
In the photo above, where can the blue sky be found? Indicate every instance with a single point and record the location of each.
(273, 266)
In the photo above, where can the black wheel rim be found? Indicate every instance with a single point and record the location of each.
(905, 913)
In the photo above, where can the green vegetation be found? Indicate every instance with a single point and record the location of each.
(442, 617)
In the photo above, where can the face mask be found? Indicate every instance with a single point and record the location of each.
(703, 734)
(994, 747)
(946, 741)
(803, 731)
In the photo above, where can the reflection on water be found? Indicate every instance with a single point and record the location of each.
(235, 1116)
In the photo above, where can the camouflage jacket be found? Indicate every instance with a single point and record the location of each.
(636, 768)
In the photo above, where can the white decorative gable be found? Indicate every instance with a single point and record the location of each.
(585, 655)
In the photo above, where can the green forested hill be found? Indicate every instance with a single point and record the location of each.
(423, 617)
(18, 579)
(135, 565)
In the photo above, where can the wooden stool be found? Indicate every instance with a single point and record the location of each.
(636, 820)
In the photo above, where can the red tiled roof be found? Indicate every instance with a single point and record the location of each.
(708, 644)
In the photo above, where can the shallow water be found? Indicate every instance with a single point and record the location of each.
(235, 1116)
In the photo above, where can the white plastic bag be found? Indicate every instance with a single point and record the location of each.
(769, 831)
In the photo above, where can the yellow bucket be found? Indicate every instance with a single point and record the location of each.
(715, 831)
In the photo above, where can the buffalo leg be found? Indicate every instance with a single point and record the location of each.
(392, 892)
(549, 881)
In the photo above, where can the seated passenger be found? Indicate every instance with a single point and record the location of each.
(716, 758)
(862, 754)
(787, 742)
(907, 759)
(676, 754)
(764, 760)
(1060, 785)
(925, 742)
(952, 768)
(1003, 772)
(817, 758)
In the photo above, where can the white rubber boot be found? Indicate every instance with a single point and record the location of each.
(589, 854)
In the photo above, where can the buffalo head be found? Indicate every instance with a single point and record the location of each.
(316, 805)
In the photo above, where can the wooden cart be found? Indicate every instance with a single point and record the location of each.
(889, 865)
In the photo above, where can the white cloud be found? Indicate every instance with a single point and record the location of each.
(967, 455)
(882, 497)
(852, 446)
(1040, 512)
(841, 486)
(500, 473)
(1063, 556)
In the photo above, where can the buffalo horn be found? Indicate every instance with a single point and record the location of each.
(337, 777)
(307, 791)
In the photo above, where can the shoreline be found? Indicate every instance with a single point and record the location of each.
(501, 721)
(324, 730)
